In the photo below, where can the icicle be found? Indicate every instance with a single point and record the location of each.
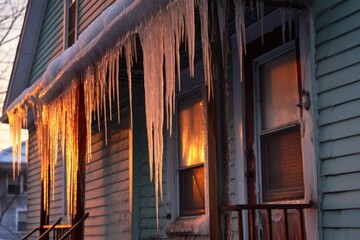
(221, 6)
(260, 15)
(17, 118)
(117, 85)
(152, 43)
(206, 49)
(178, 27)
(240, 32)
(286, 17)
(169, 54)
(189, 17)
(130, 53)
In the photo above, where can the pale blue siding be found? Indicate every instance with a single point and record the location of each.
(337, 39)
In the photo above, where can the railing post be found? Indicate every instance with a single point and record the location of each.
(240, 225)
(286, 227)
(301, 220)
(269, 218)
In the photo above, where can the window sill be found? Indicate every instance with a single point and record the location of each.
(189, 226)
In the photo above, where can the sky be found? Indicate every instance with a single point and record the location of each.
(9, 40)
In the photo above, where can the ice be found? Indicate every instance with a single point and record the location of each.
(286, 16)
(130, 54)
(222, 11)
(240, 31)
(153, 54)
(206, 49)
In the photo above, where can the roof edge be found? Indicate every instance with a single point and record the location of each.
(25, 52)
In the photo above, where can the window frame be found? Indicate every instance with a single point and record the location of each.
(17, 219)
(9, 180)
(196, 90)
(67, 6)
(197, 224)
(259, 133)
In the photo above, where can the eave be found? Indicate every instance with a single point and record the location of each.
(25, 52)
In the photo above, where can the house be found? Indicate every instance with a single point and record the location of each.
(175, 120)
(13, 190)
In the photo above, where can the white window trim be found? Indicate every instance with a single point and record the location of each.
(198, 224)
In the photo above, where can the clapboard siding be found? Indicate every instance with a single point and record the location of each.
(337, 40)
(107, 184)
(339, 113)
(336, 233)
(337, 28)
(344, 218)
(145, 221)
(50, 40)
(89, 10)
(341, 165)
(34, 183)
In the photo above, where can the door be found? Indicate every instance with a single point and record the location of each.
(273, 133)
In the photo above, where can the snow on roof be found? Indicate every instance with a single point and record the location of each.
(111, 28)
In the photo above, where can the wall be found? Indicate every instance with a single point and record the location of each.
(34, 183)
(338, 86)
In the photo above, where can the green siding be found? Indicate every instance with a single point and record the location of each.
(338, 86)
(34, 184)
(49, 44)
(89, 10)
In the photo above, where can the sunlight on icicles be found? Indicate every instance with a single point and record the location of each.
(152, 43)
(130, 54)
(17, 120)
(49, 134)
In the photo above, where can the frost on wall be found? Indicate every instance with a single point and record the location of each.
(161, 37)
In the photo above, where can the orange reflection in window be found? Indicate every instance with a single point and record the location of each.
(191, 130)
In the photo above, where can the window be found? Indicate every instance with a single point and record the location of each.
(70, 22)
(13, 184)
(279, 126)
(191, 154)
(18, 184)
(21, 220)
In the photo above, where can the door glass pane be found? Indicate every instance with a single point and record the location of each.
(278, 91)
(282, 165)
(191, 130)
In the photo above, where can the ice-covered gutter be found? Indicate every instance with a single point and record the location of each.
(110, 29)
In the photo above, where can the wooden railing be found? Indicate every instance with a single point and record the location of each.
(55, 231)
(265, 218)
(74, 227)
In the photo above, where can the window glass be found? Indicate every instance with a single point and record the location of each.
(191, 130)
(22, 221)
(281, 154)
(13, 185)
(192, 137)
(279, 91)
